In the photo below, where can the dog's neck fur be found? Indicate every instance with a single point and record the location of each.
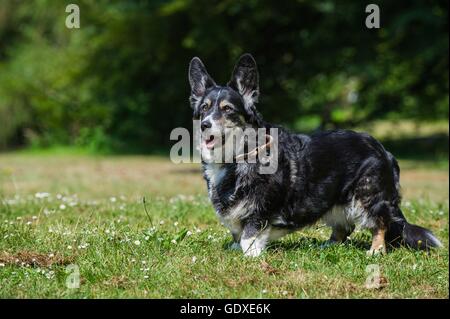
(225, 182)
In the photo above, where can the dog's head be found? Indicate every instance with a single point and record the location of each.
(224, 107)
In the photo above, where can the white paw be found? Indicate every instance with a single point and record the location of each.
(253, 247)
(253, 252)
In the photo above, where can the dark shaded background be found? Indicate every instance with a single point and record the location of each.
(119, 83)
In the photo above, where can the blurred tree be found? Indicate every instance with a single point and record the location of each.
(120, 81)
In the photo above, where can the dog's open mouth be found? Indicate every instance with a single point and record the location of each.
(210, 142)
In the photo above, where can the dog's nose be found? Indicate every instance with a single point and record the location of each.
(205, 125)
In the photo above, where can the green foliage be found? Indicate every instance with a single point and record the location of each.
(120, 81)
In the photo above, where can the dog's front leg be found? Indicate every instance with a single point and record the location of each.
(235, 245)
(255, 236)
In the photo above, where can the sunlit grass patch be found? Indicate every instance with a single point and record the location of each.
(90, 213)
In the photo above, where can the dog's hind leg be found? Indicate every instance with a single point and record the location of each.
(378, 242)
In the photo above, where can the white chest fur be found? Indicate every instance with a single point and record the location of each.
(215, 173)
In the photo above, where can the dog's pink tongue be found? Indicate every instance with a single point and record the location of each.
(210, 142)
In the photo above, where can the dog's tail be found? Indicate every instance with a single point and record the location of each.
(400, 232)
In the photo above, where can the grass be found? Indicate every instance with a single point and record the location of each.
(60, 210)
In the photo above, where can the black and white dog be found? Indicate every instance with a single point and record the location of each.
(342, 177)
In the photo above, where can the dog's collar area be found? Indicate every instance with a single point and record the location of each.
(254, 153)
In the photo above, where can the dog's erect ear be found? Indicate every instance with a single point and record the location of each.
(199, 80)
(245, 80)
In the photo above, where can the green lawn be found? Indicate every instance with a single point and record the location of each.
(87, 211)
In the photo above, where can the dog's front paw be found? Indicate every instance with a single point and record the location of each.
(253, 253)
(234, 246)
(253, 246)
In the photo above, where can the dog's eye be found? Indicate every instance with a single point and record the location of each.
(204, 107)
(227, 108)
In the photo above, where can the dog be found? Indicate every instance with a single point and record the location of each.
(341, 177)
